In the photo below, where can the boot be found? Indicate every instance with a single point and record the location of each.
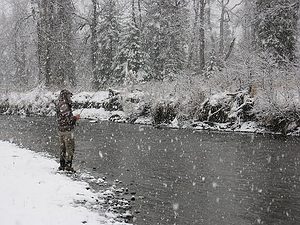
(69, 167)
(62, 165)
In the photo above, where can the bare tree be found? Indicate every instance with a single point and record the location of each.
(209, 24)
(20, 43)
(55, 36)
(42, 10)
(224, 17)
(248, 22)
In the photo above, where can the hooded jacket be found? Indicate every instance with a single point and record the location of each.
(65, 118)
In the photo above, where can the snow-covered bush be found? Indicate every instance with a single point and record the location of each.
(164, 112)
(275, 88)
(134, 104)
(37, 102)
(191, 108)
(90, 99)
(4, 105)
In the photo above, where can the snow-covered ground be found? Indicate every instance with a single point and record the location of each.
(32, 193)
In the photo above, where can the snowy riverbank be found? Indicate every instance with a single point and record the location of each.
(226, 111)
(33, 194)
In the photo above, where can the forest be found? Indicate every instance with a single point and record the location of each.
(183, 49)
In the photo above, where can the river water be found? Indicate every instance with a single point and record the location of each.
(182, 177)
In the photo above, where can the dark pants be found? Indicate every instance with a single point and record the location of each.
(67, 148)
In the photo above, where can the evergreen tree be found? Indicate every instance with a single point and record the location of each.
(130, 56)
(177, 39)
(63, 62)
(109, 38)
(94, 45)
(164, 32)
(276, 26)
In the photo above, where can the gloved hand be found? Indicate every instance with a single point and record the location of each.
(77, 117)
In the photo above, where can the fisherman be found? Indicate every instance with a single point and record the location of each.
(66, 124)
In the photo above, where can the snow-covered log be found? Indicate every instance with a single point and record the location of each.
(225, 107)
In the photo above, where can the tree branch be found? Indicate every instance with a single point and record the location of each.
(236, 5)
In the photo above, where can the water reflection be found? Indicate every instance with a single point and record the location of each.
(183, 177)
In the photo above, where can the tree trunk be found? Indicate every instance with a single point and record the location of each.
(197, 45)
(47, 35)
(133, 14)
(64, 66)
(212, 39)
(36, 11)
(94, 47)
(140, 14)
(221, 41)
(19, 39)
(230, 49)
(202, 36)
(194, 31)
(248, 22)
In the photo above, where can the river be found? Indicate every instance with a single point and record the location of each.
(182, 177)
